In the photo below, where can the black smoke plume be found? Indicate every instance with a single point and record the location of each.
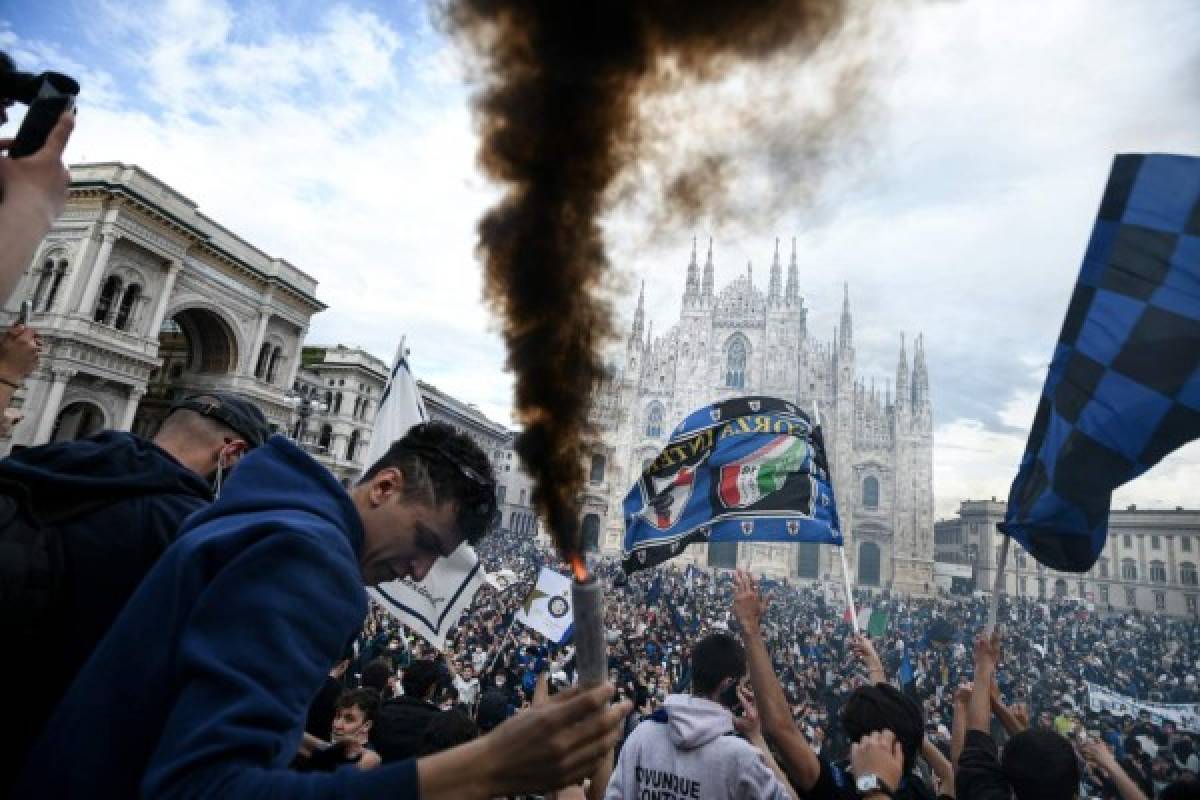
(557, 109)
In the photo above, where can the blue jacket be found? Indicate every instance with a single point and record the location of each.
(202, 685)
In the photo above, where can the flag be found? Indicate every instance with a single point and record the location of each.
(863, 613)
(877, 625)
(431, 606)
(501, 579)
(547, 607)
(747, 469)
(1123, 388)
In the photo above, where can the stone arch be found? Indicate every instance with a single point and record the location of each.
(213, 337)
(78, 419)
(48, 279)
(127, 307)
(737, 361)
(110, 293)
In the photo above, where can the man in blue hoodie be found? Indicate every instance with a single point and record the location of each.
(202, 685)
(112, 503)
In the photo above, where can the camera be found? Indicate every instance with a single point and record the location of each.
(48, 95)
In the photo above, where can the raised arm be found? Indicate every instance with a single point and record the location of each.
(799, 760)
(941, 767)
(1099, 756)
(979, 708)
(865, 650)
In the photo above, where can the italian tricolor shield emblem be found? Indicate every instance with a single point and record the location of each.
(764, 471)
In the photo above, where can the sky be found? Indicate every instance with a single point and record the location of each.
(955, 202)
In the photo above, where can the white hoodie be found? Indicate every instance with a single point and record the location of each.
(690, 753)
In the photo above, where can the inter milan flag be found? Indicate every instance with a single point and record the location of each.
(749, 469)
(1123, 389)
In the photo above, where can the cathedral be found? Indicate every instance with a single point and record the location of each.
(740, 341)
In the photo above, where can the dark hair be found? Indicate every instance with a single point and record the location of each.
(418, 677)
(365, 700)
(376, 673)
(457, 471)
(445, 730)
(882, 706)
(1182, 789)
(714, 658)
(1040, 764)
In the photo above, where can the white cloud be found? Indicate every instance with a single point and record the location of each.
(343, 143)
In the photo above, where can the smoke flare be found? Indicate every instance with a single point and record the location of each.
(557, 113)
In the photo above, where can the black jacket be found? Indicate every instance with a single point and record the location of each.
(399, 728)
(136, 495)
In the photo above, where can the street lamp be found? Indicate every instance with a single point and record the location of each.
(303, 407)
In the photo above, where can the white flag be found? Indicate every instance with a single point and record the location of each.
(501, 579)
(547, 607)
(432, 606)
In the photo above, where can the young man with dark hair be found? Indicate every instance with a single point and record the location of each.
(354, 715)
(108, 506)
(687, 748)
(201, 687)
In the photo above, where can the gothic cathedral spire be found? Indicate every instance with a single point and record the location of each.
(639, 316)
(706, 288)
(847, 327)
(903, 395)
(920, 387)
(691, 291)
(793, 281)
(775, 287)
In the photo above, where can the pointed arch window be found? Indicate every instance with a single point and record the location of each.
(735, 363)
(326, 436)
(654, 421)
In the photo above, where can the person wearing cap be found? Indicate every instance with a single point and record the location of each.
(114, 502)
(202, 686)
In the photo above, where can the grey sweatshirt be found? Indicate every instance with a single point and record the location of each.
(690, 752)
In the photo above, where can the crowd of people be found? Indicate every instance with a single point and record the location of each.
(194, 608)
(1053, 648)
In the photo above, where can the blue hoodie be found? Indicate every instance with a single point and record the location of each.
(202, 685)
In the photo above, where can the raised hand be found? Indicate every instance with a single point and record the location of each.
(749, 606)
(879, 753)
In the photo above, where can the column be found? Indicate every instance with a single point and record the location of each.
(51, 406)
(77, 267)
(92, 288)
(259, 335)
(131, 406)
(164, 299)
(295, 360)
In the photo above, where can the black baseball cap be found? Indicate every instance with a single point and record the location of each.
(233, 411)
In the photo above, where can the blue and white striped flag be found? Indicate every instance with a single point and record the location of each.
(430, 607)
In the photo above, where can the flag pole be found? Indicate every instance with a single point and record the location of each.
(842, 547)
(849, 594)
(997, 586)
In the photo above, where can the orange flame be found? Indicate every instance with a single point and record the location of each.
(579, 567)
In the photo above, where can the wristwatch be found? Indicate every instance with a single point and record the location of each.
(872, 787)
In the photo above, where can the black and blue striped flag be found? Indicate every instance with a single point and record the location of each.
(1123, 389)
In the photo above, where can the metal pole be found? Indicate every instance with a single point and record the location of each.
(997, 587)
